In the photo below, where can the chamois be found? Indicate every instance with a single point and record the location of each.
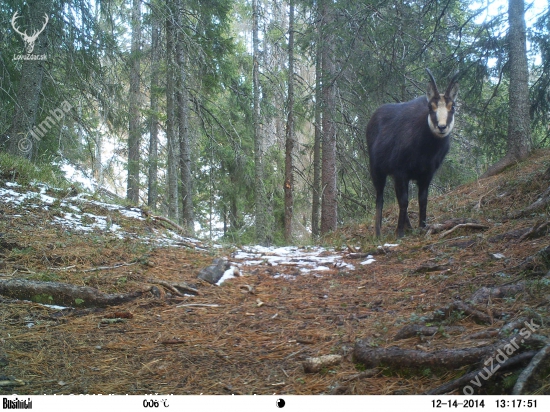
(408, 141)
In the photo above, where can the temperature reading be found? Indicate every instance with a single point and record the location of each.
(153, 403)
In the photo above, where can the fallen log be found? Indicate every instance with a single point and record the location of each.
(63, 293)
(403, 358)
(445, 358)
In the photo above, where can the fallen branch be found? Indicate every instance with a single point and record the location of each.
(463, 225)
(365, 374)
(452, 385)
(177, 288)
(312, 365)
(199, 305)
(118, 265)
(62, 293)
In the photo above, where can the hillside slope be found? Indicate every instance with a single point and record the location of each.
(252, 333)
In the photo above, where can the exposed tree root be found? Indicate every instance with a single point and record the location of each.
(528, 372)
(499, 166)
(463, 380)
(63, 293)
(411, 331)
(542, 202)
(459, 306)
(484, 294)
(463, 225)
(440, 227)
(539, 230)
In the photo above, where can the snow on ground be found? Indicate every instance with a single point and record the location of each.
(70, 215)
(312, 259)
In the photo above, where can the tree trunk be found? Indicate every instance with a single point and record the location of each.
(328, 163)
(519, 138)
(259, 189)
(183, 122)
(20, 141)
(172, 170)
(289, 149)
(152, 189)
(317, 143)
(134, 132)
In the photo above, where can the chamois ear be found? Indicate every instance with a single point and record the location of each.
(432, 87)
(452, 89)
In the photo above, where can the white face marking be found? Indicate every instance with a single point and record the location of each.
(441, 129)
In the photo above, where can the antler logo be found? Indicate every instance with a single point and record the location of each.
(29, 40)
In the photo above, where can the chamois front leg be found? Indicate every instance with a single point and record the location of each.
(402, 194)
(423, 186)
(379, 184)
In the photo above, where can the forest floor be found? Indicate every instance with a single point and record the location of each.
(251, 334)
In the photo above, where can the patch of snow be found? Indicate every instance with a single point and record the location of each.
(228, 274)
(369, 260)
(133, 213)
(305, 259)
(390, 245)
(77, 176)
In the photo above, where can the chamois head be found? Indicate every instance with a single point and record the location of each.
(441, 107)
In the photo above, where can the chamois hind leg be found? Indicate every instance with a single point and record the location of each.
(379, 181)
(402, 194)
(423, 186)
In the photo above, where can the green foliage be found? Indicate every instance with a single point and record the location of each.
(14, 168)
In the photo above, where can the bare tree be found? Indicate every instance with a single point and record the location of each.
(289, 145)
(259, 195)
(183, 123)
(134, 130)
(328, 162)
(172, 166)
(152, 192)
(20, 141)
